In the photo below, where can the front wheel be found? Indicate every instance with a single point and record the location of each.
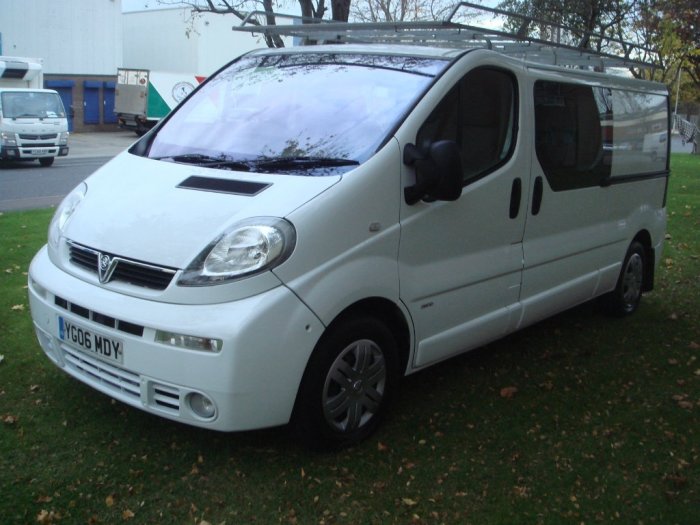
(46, 161)
(624, 300)
(347, 384)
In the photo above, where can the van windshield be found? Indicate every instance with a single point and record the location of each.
(305, 113)
(31, 104)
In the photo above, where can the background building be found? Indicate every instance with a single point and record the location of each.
(175, 40)
(82, 43)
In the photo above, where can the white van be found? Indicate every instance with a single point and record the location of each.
(311, 224)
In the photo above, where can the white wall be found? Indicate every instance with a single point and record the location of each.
(170, 40)
(81, 37)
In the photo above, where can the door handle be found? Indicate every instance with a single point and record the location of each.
(537, 196)
(516, 193)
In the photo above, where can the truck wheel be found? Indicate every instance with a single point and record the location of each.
(625, 299)
(347, 384)
(46, 161)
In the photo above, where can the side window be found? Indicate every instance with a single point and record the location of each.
(573, 134)
(479, 115)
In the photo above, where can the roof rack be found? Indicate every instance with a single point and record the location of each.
(536, 40)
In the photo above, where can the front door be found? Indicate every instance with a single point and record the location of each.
(460, 262)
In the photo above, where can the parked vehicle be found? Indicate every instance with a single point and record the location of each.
(314, 223)
(33, 124)
(144, 97)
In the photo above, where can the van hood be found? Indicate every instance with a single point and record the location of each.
(165, 213)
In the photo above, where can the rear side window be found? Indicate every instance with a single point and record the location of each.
(479, 115)
(573, 134)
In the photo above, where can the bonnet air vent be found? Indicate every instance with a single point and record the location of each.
(235, 187)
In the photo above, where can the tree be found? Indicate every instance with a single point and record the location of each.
(665, 33)
(399, 10)
(310, 9)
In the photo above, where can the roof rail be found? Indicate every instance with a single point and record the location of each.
(536, 40)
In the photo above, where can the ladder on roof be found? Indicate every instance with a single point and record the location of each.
(549, 43)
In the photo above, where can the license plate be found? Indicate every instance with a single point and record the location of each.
(42, 151)
(88, 341)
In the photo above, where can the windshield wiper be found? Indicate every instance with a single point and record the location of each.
(207, 161)
(302, 163)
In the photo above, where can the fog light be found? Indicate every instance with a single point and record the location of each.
(201, 405)
(191, 342)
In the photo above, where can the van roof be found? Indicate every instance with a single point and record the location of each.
(620, 79)
(378, 49)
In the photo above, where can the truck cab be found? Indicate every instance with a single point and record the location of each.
(33, 124)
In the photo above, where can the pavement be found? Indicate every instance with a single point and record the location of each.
(99, 143)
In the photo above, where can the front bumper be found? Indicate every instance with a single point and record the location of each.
(32, 153)
(252, 381)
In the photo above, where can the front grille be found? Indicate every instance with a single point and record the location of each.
(126, 270)
(118, 381)
(104, 320)
(37, 145)
(166, 397)
(114, 379)
(37, 137)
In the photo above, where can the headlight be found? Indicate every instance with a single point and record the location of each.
(8, 139)
(64, 212)
(63, 138)
(248, 247)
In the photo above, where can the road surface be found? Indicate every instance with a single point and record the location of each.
(27, 185)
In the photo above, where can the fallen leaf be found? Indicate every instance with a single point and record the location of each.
(18, 308)
(685, 404)
(409, 502)
(508, 392)
(679, 397)
(694, 346)
(109, 500)
(127, 515)
(381, 447)
(9, 419)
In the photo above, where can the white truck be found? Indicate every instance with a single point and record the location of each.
(144, 97)
(33, 124)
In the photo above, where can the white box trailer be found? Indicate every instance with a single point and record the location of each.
(33, 124)
(143, 97)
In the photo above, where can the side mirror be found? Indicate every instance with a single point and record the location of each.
(438, 172)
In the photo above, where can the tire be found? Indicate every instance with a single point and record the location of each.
(46, 161)
(624, 300)
(348, 382)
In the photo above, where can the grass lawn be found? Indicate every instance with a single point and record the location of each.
(604, 426)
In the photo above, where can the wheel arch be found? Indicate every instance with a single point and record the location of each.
(390, 314)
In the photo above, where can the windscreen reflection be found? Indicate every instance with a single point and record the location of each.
(308, 107)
